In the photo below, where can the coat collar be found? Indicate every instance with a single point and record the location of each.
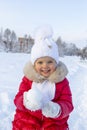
(57, 76)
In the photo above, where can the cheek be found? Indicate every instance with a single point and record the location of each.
(53, 68)
(37, 68)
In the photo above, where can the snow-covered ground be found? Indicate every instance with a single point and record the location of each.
(11, 72)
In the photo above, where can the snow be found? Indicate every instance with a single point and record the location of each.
(11, 73)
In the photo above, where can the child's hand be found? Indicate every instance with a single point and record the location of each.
(33, 99)
(51, 109)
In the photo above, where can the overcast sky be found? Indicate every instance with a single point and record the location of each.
(68, 18)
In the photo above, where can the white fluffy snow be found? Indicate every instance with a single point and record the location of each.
(11, 73)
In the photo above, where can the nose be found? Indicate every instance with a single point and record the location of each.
(45, 65)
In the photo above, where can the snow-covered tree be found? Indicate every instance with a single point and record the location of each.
(84, 53)
(13, 41)
(6, 39)
(61, 46)
(2, 46)
(30, 43)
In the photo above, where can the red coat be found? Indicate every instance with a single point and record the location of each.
(25, 118)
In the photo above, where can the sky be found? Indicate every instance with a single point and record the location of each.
(68, 18)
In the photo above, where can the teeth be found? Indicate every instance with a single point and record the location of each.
(45, 70)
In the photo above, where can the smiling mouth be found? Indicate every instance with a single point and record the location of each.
(45, 71)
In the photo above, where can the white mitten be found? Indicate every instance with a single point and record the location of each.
(51, 109)
(33, 99)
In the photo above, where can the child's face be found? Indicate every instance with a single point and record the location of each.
(45, 66)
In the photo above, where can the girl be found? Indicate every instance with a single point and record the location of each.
(44, 99)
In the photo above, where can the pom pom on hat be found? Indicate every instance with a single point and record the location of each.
(43, 33)
(44, 45)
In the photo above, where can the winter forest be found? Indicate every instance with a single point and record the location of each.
(9, 42)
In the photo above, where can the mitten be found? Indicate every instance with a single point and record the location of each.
(32, 99)
(51, 109)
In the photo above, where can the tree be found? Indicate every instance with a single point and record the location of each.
(61, 46)
(13, 41)
(84, 53)
(7, 33)
(2, 46)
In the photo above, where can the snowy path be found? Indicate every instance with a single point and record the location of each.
(11, 67)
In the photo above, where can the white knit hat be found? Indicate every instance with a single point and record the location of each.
(44, 45)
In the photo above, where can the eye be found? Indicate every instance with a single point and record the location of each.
(50, 61)
(40, 62)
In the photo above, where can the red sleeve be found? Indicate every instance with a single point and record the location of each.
(25, 85)
(65, 98)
